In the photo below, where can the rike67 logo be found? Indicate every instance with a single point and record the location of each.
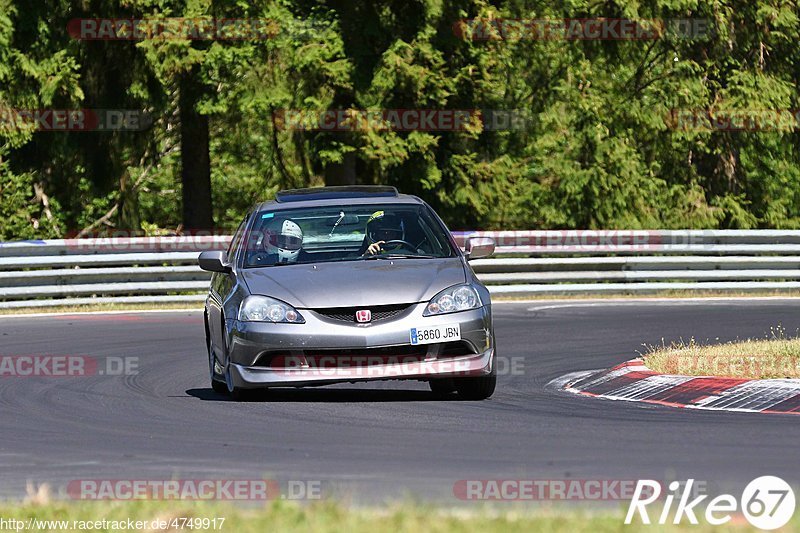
(767, 503)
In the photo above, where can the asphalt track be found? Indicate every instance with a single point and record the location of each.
(373, 442)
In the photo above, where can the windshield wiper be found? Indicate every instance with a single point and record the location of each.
(399, 256)
(336, 225)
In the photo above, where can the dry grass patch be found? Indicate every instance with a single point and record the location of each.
(773, 357)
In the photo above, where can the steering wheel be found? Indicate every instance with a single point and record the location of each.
(398, 242)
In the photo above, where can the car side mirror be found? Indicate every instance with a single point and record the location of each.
(214, 261)
(477, 247)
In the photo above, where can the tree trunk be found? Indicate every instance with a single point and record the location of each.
(343, 173)
(128, 213)
(195, 159)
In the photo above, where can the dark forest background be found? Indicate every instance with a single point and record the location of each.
(597, 150)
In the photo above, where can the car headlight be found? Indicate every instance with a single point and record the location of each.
(266, 309)
(452, 300)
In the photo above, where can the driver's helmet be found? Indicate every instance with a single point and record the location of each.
(283, 238)
(382, 226)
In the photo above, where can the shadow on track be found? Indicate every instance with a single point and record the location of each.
(310, 395)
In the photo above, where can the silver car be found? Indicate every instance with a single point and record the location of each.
(347, 284)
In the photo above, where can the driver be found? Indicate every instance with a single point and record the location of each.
(383, 227)
(283, 240)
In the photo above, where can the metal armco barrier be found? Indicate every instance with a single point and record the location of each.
(527, 263)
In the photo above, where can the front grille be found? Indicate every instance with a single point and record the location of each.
(401, 350)
(348, 314)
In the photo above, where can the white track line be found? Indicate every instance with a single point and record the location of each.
(564, 304)
(131, 312)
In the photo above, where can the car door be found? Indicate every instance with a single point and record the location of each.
(222, 285)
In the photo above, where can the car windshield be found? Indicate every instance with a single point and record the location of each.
(345, 233)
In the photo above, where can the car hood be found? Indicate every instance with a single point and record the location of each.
(356, 283)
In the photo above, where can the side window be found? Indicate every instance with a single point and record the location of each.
(237, 240)
(435, 240)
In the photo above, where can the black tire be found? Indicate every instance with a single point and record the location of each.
(226, 385)
(442, 386)
(476, 388)
(236, 393)
(219, 386)
(239, 394)
(217, 383)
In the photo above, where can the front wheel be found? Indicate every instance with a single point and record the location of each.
(478, 388)
(442, 386)
(218, 386)
(237, 394)
(213, 370)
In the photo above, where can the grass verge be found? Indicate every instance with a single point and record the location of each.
(321, 517)
(775, 357)
(67, 309)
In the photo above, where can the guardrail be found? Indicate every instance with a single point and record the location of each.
(527, 263)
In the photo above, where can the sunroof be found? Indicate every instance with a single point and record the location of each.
(332, 193)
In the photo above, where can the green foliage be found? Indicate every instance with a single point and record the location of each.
(598, 146)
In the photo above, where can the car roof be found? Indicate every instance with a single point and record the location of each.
(336, 196)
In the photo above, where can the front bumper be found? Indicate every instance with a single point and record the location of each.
(467, 366)
(250, 341)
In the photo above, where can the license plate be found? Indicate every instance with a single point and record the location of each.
(431, 334)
